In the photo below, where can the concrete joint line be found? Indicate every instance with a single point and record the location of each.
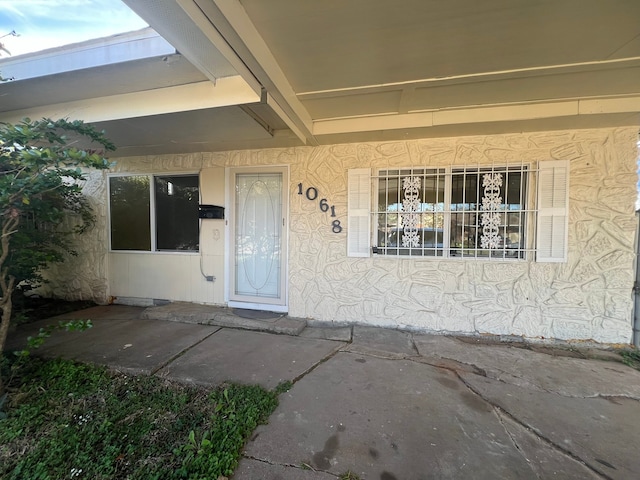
(261, 460)
(587, 397)
(559, 448)
(511, 437)
(499, 410)
(481, 372)
(380, 355)
(413, 345)
(363, 350)
(331, 354)
(475, 370)
(533, 387)
(303, 465)
(181, 353)
(613, 397)
(545, 390)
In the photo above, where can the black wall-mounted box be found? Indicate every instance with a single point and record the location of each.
(210, 211)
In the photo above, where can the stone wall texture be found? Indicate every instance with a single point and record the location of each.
(84, 276)
(588, 298)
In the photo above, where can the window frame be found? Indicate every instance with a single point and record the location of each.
(549, 185)
(152, 211)
(436, 172)
(445, 252)
(527, 213)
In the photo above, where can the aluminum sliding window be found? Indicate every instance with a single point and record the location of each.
(176, 202)
(130, 212)
(154, 213)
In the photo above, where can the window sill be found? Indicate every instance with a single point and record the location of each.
(160, 252)
(453, 258)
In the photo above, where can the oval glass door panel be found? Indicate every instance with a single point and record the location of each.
(258, 231)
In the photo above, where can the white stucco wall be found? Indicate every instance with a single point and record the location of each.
(589, 297)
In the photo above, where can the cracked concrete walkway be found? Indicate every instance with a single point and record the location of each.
(387, 405)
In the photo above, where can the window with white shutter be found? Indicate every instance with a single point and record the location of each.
(359, 212)
(460, 212)
(553, 213)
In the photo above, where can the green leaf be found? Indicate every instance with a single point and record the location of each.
(33, 179)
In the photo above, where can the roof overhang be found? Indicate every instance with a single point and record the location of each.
(223, 74)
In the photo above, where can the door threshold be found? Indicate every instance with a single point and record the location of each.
(258, 306)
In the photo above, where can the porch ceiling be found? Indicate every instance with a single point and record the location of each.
(374, 58)
(365, 70)
(333, 45)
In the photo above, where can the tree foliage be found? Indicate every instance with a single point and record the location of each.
(42, 165)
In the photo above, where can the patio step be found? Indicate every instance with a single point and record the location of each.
(226, 317)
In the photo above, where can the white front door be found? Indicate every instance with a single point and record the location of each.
(258, 238)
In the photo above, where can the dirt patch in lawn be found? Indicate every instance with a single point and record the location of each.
(34, 308)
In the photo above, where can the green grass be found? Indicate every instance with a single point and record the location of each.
(631, 358)
(69, 420)
(349, 475)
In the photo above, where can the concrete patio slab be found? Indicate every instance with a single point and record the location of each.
(249, 358)
(382, 342)
(140, 346)
(253, 470)
(103, 312)
(18, 339)
(393, 419)
(601, 431)
(66, 344)
(223, 317)
(541, 371)
(340, 334)
(545, 460)
(182, 312)
(379, 408)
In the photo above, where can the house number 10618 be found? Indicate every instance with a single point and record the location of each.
(312, 194)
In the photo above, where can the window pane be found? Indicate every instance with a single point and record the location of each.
(465, 194)
(488, 217)
(130, 218)
(411, 212)
(177, 212)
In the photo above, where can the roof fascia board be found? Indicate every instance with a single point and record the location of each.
(227, 91)
(622, 104)
(285, 118)
(138, 45)
(196, 15)
(233, 23)
(173, 23)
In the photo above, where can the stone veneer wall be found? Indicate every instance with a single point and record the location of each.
(589, 297)
(84, 277)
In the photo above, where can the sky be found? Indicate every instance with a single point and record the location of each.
(43, 24)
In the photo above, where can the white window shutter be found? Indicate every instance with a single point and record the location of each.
(358, 212)
(553, 211)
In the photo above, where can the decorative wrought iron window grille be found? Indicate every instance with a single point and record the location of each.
(478, 212)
